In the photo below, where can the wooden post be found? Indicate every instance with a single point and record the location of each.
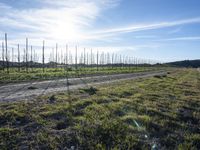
(18, 58)
(12, 56)
(6, 45)
(26, 54)
(112, 60)
(97, 60)
(91, 59)
(34, 58)
(52, 56)
(84, 57)
(43, 56)
(56, 55)
(66, 55)
(87, 59)
(31, 58)
(76, 58)
(3, 56)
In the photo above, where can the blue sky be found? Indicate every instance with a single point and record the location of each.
(164, 30)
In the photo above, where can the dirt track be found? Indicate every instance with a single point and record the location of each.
(28, 91)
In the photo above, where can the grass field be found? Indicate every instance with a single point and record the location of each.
(157, 112)
(52, 73)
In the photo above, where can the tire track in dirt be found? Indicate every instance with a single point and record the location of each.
(21, 91)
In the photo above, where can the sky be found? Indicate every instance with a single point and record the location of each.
(164, 30)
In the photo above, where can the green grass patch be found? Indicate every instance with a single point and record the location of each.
(133, 114)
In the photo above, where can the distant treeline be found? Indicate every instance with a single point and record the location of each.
(60, 65)
(186, 63)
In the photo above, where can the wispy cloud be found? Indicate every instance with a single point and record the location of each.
(191, 38)
(59, 20)
(71, 21)
(174, 31)
(149, 26)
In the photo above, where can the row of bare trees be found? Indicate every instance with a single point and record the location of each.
(29, 59)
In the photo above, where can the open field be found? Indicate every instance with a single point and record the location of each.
(161, 112)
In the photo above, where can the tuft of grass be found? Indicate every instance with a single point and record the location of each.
(52, 99)
(91, 90)
(32, 88)
(160, 76)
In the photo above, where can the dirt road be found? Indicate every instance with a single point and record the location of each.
(28, 91)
